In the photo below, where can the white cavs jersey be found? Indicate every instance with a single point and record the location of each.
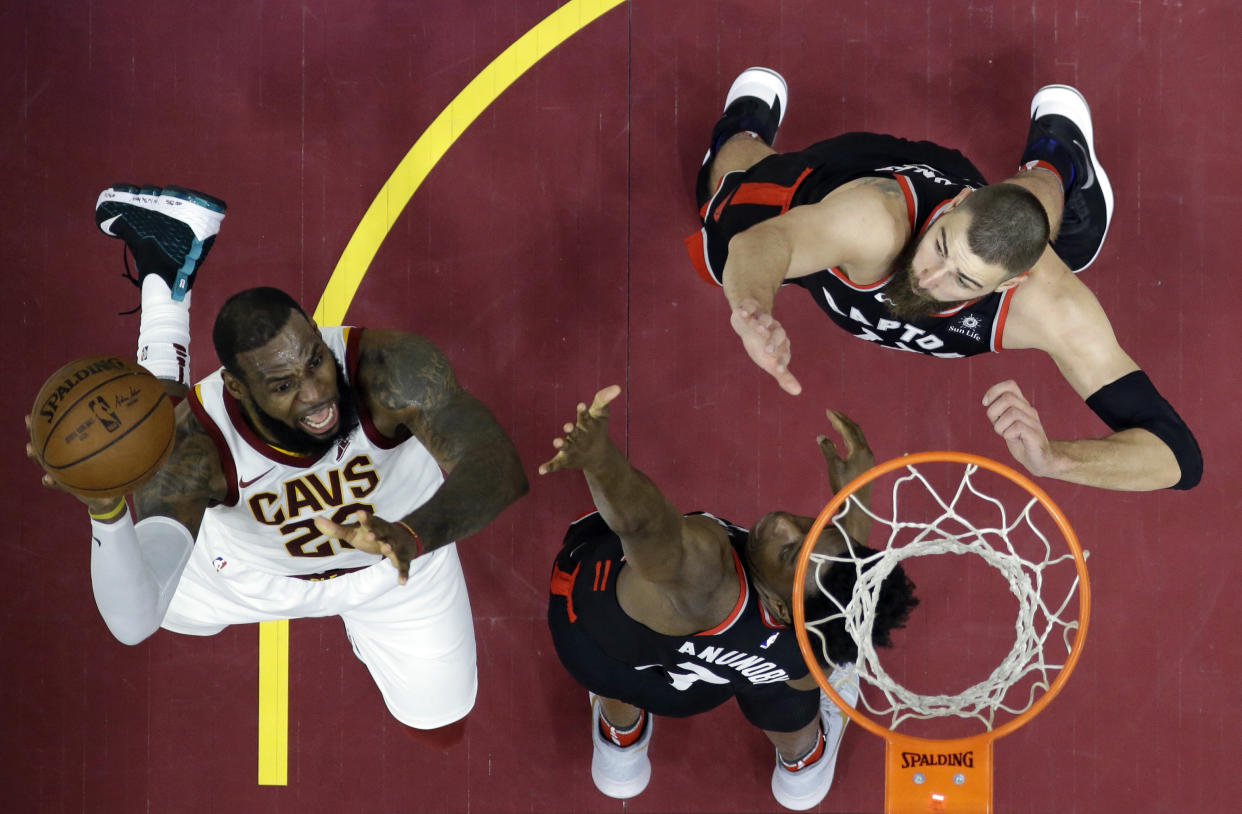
(266, 520)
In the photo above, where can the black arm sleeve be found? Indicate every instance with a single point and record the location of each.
(1133, 401)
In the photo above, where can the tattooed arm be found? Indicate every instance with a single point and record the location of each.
(188, 481)
(408, 386)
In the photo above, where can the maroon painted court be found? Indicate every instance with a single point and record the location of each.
(544, 255)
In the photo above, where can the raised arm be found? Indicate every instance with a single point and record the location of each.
(1150, 446)
(858, 459)
(858, 226)
(659, 543)
(135, 567)
(409, 385)
(188, 481)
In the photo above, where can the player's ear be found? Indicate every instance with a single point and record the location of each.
(1013, 282)
(958, 198)
(781, 609)
(235, 386)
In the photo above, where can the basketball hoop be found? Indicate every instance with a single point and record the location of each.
(951, 775)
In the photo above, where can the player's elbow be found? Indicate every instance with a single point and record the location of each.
(1132, 402)
(1189, 461)
(514, 483)
(764, 250)
(132, 619)
(519, 485)
(129, 631)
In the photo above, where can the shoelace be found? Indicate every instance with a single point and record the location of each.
(129, 275)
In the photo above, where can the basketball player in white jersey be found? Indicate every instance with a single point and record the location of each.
(318, 472)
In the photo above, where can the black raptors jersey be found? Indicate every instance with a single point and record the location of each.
(748, 648)
(930, 176)
(970, 329)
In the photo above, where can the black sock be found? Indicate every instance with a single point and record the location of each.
(745, 115)
(1050, 151)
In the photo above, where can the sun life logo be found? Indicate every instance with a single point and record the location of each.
(968, 325)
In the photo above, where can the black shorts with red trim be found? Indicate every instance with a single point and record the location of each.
(771, 707)
(784, 180)
(589, 631)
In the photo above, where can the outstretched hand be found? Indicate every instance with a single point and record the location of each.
(1015, 420)
(587, 438)
(858, 455)
(766, 343)
(841, 470)
(374, 535)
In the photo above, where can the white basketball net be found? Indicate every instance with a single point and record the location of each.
(1038, 617)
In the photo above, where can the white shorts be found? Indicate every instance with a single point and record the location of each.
(416, 639)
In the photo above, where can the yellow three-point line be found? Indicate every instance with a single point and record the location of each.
(347, 276)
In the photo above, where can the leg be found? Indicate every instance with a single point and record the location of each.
(618, 713)
(797, 745)
(755, 105)
(806, 750)
(1046, 186)
(741, 152)
(168, 231)
(1060, 143)
(620, 766)
(417, 640)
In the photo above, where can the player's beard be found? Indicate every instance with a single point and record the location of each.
(903, 301)
(301, 442)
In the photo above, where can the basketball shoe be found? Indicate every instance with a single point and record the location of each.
(619, 772)
(1060, 118)
(168, 230)
(803, 786)
(755, 103)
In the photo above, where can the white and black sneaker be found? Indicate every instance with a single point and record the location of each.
(619, 772)
(168, 230)
(755, 103)
(804, 785)
(1060, 113)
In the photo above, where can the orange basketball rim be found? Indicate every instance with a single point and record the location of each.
(942, 776)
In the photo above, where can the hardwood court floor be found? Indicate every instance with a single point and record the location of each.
(543, 254)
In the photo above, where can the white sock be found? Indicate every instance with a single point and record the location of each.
(164, 331)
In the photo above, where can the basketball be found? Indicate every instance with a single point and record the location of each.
(102, 426)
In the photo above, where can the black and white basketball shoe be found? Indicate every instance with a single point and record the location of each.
(1059, 113)
(168, 230)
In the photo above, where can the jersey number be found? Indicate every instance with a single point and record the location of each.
(694, 673)
(307, 533)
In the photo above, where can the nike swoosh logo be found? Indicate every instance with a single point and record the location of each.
(243, 484)
(1090, 172)
(107, 225)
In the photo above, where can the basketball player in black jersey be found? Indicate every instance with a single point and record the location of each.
(904, 245)
(661, 613)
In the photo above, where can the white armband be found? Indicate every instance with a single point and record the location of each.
(135, 570)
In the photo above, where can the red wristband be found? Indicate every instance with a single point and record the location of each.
(417, 540)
